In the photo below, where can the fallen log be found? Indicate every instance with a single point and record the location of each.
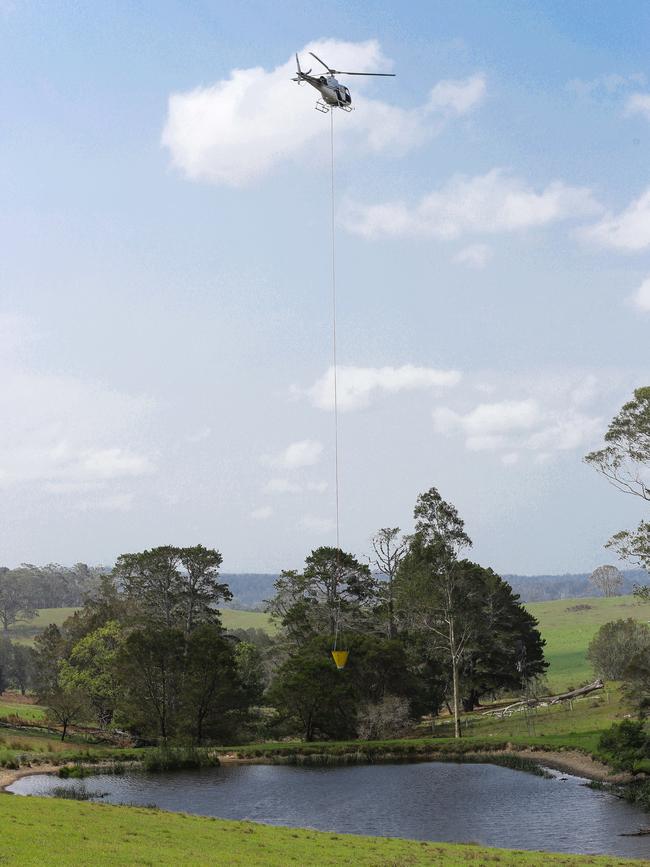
(524, 703)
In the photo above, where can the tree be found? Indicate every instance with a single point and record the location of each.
(67, 706)
(16, 605)
(150, 667)
(389, 549)
(21, 667)
(211, 691)
(49, 651)
(92, 669)
(615, 645)
(435, 592)
(608, 579)
(506, 651)
(335, 592)
(625, 463)
(174, 587)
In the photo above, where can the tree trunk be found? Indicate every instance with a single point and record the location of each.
(454, 667)
(65, 729)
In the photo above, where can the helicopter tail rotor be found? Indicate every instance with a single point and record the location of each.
(300, 75)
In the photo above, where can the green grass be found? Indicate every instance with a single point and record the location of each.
(31, 712)
(24, 633)
(568, 633)
(44, 831)
(234, 619)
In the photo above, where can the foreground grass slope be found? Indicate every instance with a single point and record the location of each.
(39, 831)
(568, 625)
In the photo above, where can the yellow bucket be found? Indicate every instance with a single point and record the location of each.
(340, 657)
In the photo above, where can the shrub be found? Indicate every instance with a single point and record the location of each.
(625, 744)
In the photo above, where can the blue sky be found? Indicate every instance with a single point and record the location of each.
(164, 286)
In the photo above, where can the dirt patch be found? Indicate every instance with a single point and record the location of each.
(576, 763)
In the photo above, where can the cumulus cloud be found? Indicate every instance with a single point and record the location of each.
(638, 103)
(542, 424)
(304, 453)
(357, 386)
(474, 256)
(641, 298)
(239, 128)
(496, 202)
(628, 231)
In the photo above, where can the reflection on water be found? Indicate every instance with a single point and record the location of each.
(430, 801)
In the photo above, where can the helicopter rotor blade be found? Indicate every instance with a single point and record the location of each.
(381, 74)
(322, 63)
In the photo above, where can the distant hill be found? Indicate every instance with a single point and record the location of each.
(542, 588)
(250, 590)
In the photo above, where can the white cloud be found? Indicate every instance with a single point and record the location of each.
(304, 453)
(317, 524)
(628, 231)
(485, 204)
(262, 514)
(549, 421)
(608, 85)
(356, 386)
(475, 256)
(641, 298)
(119, 502)
(239, 128)
(458, 97)
(638, 103)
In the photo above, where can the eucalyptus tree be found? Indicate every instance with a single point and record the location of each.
(625, 462)
(16, 602)
(608, 579)
(435, 593)
(389, 548)
(334, 592)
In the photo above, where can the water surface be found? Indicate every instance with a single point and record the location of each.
(451, 802)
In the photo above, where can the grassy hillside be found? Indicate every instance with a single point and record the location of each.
(232, 619)
(25, 632)
(39, 831)
(568, 632)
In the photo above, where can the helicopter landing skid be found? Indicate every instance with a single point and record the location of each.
(320, 106)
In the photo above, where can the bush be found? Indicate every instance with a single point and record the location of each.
(383, 719)
(625, 744)
(163, 759)
(615, 644)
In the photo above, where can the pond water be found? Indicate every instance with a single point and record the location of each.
(429, 801)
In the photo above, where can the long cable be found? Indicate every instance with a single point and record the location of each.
(334, 356)
(336, 396)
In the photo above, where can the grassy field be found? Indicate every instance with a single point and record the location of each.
(31, 712)
(40, 831)
(231, 618)
(568, 633)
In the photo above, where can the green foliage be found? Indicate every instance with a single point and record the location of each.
(625, 744)
(92, 668)
(163, 759)
(624, 462)
(615, 645)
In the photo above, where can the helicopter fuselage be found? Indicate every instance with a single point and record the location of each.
(331, 91)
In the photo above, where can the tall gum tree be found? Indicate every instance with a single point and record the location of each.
(625, 463)
(434, 591)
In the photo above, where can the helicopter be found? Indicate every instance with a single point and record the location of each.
(334, 95)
